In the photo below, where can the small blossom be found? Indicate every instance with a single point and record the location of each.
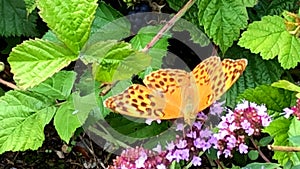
(245, 124)
(170, 146)
(227, 153)
(249, 131)
(199, 143)
(243, 148)
(180, 127)
(191, 134)
(216, 108)
(198, 125)
(206, 133)
(181, 144)
(196, 161)
(170, 156)
(140, 162)
(288, 112)
(157, 148)
(185, 153)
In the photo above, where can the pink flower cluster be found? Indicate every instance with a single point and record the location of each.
(136, 158)
(246, 120)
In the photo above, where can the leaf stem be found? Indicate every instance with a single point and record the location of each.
(11, 85)
(259, 151)
(168, 25)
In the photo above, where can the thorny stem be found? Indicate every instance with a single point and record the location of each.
(259, 151)
(11, 85)
(168, 25)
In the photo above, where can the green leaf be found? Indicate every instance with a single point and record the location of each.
(274, 98)
(295, 140)
(14, 20)
(96, 52)
(57, 87)
(294, 129)
(261, 166)
(30, 5)
(282, 129)
(72, 114)
(270, 38)
(109, 24)
(253, 154)
(117, 62)
(284, 84)
(23, 116)
(265, 141)
(223, 20)
(50, 36)
(70, 21)
(258, 72)
(158, 51)
(39, 59)
(275, 7)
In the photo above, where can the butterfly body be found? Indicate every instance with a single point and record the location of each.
(173, 93)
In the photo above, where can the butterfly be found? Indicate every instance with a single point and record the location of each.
(174, 93)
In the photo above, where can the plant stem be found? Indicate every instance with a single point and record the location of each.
(259, 151)
(168, 25)
(11, 85)
(284, 148)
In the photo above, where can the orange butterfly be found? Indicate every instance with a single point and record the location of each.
(174, 93)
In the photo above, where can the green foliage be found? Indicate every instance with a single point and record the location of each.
(73, 31)
(258, 72)
(57, 87)
(223, 20)
(14, 19)
(23, 116)
(30, 5)
(282, 129)
(275, 7)
(270, 38)
(32, 56)
(72, 114)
